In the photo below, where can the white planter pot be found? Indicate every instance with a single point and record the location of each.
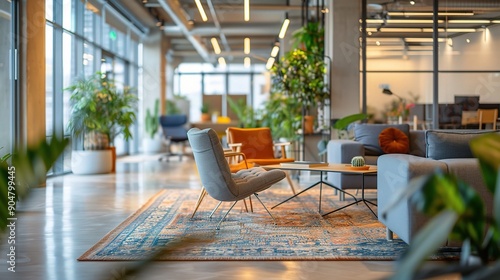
(151, 146)
(91, 162)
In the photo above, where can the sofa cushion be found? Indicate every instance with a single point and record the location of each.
(367, 134)
(442, 144)
(393, 141)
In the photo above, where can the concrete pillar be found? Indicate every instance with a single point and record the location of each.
(342, 45)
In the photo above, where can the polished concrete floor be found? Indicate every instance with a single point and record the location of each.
(59, 222)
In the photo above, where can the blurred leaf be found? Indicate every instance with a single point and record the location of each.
(487, 149)
(344, 122)
(428, 239)
(29, 168)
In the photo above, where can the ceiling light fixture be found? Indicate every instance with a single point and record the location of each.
(409, 14)
(246, 46)
(222, 62)
(215, 45)
(478, 21)
(284, 27)
(246, 62)
(270, 62)
(201, 10)
(422, 40)
(246, 7)
(274, 51)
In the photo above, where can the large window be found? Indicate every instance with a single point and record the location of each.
(79, 43)
(203, 83)
(6, 95)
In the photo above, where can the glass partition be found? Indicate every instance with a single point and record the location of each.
(400, 58)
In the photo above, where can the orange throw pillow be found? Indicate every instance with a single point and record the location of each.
(394, 141)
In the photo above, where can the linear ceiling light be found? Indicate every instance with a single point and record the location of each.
(402, 21)
(201, 10)
(275, 51)
(284, 27)
(246, 46)
(246, 62)
(246, 7)
(409, 14)
(478, 21)
(463, 30)
(222, 62)
(422, 40)
(215, 45)
(270, 63)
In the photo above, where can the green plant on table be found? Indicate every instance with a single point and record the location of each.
(458, 214)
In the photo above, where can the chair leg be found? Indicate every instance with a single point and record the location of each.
(389, 235)
(203, 193)
(215, 209)
(290, 182)
(257, 196)
(218, 225)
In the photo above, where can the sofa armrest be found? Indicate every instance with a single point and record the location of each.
(394, 174)
(342, 151)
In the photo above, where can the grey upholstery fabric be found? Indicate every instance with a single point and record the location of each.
(214, 170)
(395, 171)
(367, 134)
(443, 144)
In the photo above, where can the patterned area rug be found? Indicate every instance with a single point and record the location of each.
(301, 232)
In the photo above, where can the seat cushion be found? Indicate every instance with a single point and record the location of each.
(394, 141)
(367, 134)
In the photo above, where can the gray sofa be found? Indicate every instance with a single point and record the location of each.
(445, 150)
(430, 150)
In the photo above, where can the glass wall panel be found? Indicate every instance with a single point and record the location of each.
(7, 103)
(69, 72)
(88, 25)
(402, 60)
(189, 85)
(49, 76)
(69, 15)
(239, 84)
(214, 84)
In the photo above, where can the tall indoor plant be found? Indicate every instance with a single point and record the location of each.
(302, 77)
(100, 111)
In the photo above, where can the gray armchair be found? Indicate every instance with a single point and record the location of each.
(216, 175)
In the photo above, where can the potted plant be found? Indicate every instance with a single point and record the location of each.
(205, 115)
(282, 115)
(302, 77)
(459, 214)
(152, 141)
(99, 112)
(245, 113)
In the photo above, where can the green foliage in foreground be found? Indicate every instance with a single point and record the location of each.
(29, 167)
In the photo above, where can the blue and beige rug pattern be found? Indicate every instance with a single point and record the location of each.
(301, 233)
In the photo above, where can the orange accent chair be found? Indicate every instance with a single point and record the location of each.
(258, 146)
